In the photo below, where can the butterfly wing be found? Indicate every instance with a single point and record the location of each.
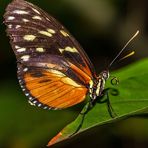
(53, 70)
(50, 82)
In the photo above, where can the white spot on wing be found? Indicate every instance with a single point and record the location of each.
(37, 18)
(25, 20)
(39, 105)
(25, 58)
(20, 12)
(29, 37)
(25, 69)
(10, 26)
(34, 102)
(30, 98)
(21, 49)
(17, 26)
(45, 107)
(17, 47)
(27, 94)
(11, 18)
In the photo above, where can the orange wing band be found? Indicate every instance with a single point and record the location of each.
(55, 90)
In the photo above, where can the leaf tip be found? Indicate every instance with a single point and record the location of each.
(55, 139)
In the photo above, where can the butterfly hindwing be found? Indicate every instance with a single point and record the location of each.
(45, 49)
(50, 88)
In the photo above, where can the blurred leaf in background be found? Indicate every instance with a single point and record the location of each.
(102, 28)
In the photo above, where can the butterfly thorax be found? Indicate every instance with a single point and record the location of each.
(97, 85)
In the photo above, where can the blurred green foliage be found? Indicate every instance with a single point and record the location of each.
(102, 27)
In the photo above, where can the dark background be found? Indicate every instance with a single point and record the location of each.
(102, 28)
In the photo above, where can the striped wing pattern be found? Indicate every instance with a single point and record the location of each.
(53, 70)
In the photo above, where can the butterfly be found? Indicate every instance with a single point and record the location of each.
(54, 71)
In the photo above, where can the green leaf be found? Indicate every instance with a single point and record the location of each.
(132, 99)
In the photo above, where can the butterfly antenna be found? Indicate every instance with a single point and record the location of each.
(137, 32)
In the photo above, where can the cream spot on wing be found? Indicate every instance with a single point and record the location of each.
(69, 81)
(17, 47)
(11, 18)
(40, 49)
(64, 33)
(60, 74)
(25, 57)
(35, 10)
(29, 37)
(25, 20)
(10, 26)
(51, 31)
(70, 49)
(20, 12)
(37, 17)
(17, 26)
(45, 33)
(21, 50)
(25, 69)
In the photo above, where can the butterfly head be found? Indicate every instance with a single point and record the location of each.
(104, 74)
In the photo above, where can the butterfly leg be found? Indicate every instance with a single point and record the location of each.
(91, 104)
(88, 107)
(107, 101)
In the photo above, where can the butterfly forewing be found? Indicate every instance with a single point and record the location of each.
(53, 69)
